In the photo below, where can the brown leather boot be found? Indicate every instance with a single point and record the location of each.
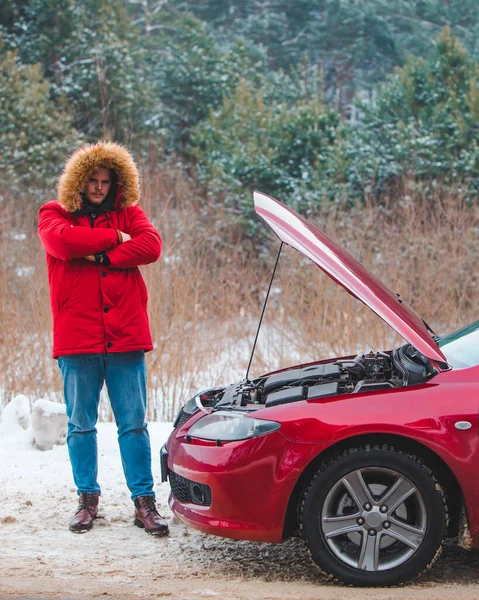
(87, 510)
(148, 517)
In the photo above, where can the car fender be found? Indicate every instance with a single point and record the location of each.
(426, 414)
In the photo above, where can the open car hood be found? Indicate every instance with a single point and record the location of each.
(297, 232)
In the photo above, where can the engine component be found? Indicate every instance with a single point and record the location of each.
(285, 396)
(312, 373)
(412, 366)
(323, 390)
(364, 373)
(372, 386)
(304, 392)
(233, 394)
(376, 365)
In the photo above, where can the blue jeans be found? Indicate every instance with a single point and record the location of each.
(125, 377)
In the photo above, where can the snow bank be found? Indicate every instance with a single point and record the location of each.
(16, 414)
(45, 427)
(48, 408)
(44, 481)
(49, 424)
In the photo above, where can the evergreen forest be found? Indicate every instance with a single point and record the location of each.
(312, 100)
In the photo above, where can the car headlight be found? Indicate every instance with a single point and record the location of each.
(190, 407)
(229, 427)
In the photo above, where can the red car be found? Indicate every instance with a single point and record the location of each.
(372, 459)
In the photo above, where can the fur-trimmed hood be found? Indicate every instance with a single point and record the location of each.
(85, 160)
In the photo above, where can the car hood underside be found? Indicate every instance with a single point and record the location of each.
(339, 265)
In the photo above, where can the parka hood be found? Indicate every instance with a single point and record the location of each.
(88, 158)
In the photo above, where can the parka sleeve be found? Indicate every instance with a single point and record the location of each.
(143, 248)
(64, 241)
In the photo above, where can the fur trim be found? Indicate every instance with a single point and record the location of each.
(85, 160)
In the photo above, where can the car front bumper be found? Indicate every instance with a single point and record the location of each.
(251, 482)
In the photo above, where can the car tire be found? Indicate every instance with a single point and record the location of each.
(374, 516)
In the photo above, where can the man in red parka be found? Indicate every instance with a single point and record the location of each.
(95, 237)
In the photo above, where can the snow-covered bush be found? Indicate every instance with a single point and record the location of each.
(49, 424)
(16, 414)
(36, 131)
(424, 124)
(282, 149)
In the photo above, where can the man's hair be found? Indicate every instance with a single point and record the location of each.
(113, 173)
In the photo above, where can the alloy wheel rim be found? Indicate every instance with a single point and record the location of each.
(374, 519)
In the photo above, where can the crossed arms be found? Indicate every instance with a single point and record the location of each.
(66, 242)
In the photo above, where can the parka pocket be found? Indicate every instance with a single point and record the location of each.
(66, 280)
(142, 288)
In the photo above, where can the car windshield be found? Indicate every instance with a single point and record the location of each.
(462, 347)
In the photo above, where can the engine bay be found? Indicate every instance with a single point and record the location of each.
(402, 367)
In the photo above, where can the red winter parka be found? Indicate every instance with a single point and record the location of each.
(98, 308)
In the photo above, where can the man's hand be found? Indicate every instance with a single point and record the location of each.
(125, 236)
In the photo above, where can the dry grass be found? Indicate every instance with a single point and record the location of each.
(206, 292)
(426, 252)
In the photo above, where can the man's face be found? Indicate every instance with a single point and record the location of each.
(98, 186)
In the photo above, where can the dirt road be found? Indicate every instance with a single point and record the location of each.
(118, 560)
(41, 559)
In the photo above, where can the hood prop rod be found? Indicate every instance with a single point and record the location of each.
(264, 308)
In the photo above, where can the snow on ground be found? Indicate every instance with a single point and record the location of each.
(30, 478)
(41, 558)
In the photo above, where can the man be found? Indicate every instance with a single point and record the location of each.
(95, 237)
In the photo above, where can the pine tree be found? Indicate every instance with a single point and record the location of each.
(36, 132)
(90, 52)
(424, 123)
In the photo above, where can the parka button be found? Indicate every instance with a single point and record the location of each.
(109, 345)
(103, 273)
(106, 309)
(93, 215)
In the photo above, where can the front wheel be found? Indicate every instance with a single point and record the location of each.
(374, 516)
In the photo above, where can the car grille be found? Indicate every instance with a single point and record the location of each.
(181, 418)
(185, 490)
